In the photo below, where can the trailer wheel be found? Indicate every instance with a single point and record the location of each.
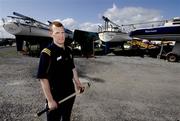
(172, 57)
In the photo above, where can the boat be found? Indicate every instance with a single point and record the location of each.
(169, 31)
(19, 26)
(30, 30)
(112, 32)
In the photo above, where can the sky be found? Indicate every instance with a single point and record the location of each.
(87, 14)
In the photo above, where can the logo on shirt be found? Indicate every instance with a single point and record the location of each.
(59, 58)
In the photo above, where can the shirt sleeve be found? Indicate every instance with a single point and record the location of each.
(44, 65)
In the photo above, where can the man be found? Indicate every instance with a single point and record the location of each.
(56, 73)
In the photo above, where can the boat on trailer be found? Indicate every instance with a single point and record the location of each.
(169, 31)
(30, 30)
(112, 32)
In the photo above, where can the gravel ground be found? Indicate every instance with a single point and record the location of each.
(122, 89)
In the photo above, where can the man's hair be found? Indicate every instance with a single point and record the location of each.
(55, 23)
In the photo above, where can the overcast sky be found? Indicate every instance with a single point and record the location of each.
(87, 14)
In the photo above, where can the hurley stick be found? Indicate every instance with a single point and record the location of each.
(63, 100)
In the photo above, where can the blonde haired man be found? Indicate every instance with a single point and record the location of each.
(56, 73)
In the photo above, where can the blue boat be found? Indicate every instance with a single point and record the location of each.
(169, 31)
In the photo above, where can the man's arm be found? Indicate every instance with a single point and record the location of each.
(52, 104)
(76, 79)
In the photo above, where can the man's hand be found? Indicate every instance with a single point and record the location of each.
(80, 87)
(52, 105)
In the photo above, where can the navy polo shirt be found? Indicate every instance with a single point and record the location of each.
(56, 65)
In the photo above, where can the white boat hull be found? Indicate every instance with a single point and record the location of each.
(111, 36)
(25, 30)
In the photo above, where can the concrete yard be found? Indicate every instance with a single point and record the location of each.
(122, 89)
